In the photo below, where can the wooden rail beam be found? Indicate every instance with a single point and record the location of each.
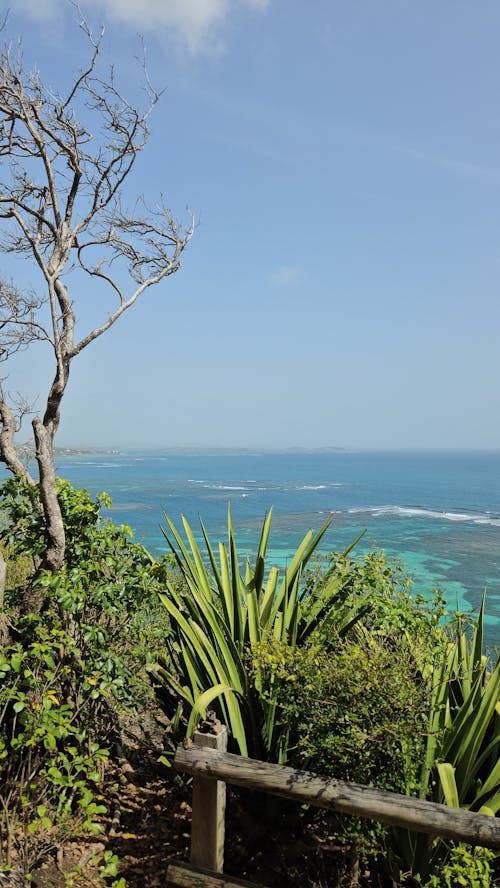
(348, 798)
(182, 875)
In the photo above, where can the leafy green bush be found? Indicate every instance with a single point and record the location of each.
(401, 703)
(69, 670)
(355, 709)
(466, 868)
(49, 761)
(23, 529)
(396, 613)
(107, 589)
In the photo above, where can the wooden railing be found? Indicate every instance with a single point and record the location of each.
(212, 767)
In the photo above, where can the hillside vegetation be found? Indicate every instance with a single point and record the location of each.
(331, 665)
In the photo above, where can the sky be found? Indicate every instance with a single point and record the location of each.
(342, 161)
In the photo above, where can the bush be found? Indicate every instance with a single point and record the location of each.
(23, 524)
(358, 710)
(49, 760)
(466, 868)
(358, 713)
(69, 670)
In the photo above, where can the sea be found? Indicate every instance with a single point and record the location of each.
(436, 512)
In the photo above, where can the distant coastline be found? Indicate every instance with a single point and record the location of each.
(214, 450)
(83, 451)
(194, 448)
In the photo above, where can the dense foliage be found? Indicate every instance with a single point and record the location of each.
(67, 671)
(340, 670)
(330, 665)
(461, 764)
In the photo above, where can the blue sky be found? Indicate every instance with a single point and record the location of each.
(342, 286)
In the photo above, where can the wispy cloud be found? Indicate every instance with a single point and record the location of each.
(450, 164)
(197, 24)
(256, 148)
(425, 156)
(284, 275)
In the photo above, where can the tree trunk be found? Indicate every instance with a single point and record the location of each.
(4, 626)
(8, 452)
(3, 577)
(54, 528)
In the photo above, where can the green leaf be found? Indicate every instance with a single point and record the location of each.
(492, 808)
(447, 777)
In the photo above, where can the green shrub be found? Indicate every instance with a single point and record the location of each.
(465, 868)
(395, 612)
(357, 709)
(50, 759)
(356, 712)
(107, 591)
(70, 669)
(23, 529)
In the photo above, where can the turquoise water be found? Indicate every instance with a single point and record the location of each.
(438, 512)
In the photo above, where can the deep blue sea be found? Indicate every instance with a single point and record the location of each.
(438, 512)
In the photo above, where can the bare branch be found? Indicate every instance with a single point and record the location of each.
(8, 452)
(128, 237)
(18, 320)
(96, 45)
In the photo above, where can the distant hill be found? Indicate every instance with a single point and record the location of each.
(80, 451)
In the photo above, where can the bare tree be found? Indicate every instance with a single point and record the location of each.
(64, 161)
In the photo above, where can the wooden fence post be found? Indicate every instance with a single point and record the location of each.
(209, 803)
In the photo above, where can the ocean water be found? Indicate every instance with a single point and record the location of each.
(437, 512)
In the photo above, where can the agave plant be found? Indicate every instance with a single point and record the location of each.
(462, 761)
(223, 612)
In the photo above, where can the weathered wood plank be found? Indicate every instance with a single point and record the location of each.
(348, 798)
(209, 804)
(185, 876)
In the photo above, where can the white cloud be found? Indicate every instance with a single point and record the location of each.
(194, 23)
(284, 275)
(45, 9)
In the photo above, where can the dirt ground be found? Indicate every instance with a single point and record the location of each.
(148, 826)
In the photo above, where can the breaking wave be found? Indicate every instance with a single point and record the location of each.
(416, 512)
